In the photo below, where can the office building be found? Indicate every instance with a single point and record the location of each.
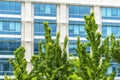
(21, 23)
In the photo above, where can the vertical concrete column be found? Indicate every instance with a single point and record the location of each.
(62, 22)
(27, 31)
(97, 14)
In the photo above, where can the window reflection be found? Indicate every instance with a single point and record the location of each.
(8, 46)
(45, 10)
(72, 47)
(114, 67)
(76, 30)
(78, 11)
(110, 13)
(107, 30)
(5, 67)
(39, 29)
(7, 27)
(10, 8)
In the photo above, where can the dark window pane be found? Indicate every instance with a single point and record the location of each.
(8, 46)
(5, 67)
(10, 8)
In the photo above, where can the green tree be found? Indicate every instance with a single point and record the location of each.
(19, 64)
(92, 66)
(52, 64)
(115, 48)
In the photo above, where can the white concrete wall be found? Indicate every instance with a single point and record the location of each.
(62, 22)
(28, 31)
(110, 3)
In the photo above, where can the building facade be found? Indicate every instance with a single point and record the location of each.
(21, 23)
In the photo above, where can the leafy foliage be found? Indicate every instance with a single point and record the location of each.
(19, 65)
(115, 48)
(92, 66)
(52, 64)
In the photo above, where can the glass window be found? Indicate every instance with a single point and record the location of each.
(5, 67)
(114, 12)
(45, 10)
(7, 47)
(104, 12)
(76, 30)
(36, 45)
(53, 29)
(110, 13)
(82, 31)
(7, 27)
(72, 47)
(10, 8)
(53, 8)
(12, 26)
(39, 29)
(119, 12)
(104, 31)
(107, 30)
(13, 45)
(71, 10)
(1, 28)
(115, 31)
(78, 11)
(36, 48)
(38, 8)
(114, 67)
(18, 27)
(42, 8)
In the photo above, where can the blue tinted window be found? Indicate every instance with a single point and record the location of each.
(36, 45)
(44, 10)
(13, 28)
(10, 8)
(72, 47)
(5, 67)
(78, 11)
(76, 30)
(10, 19)
(114, 67)
(107, 30)
(39, 29)
(114, 12)
(110, 13)
(8, 46)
